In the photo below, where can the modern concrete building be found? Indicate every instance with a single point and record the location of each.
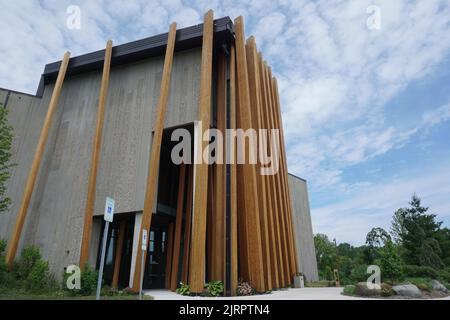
(110, 116)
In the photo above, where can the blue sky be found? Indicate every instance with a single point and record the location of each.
(366, 112)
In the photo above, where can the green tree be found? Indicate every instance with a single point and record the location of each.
(326, 255)
(375, 239)
(415, 231)
(6, 138)
(390, 262)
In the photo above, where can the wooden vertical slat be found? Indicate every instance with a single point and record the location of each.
(287, 194)
(273, 193)
(219, 221)
(255, 261)
(209, 223)
(279, 194)
(118, 255)
(168, 274)
(271, 212)
(35, 165)
(187, 228)
(178, 226)
(255, 98)
(233, 187)
(153, 164)
(96, 150)
(197, 259)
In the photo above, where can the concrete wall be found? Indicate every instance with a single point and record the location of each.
(55, 217)
(304, 238)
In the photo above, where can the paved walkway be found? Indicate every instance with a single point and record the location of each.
(285, 294)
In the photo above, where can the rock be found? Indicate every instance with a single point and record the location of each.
(407, 290)
(438, 286)
(361, 289)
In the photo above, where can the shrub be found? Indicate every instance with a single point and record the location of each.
(420, 271)
(444, 275)
(349, 289)
(88, 282)
(390, 262)
(245, 289)
(423, 284)
(386, 290)
(359, 274)
(7, 279)
(184, 289)
(28, 259)
(3, 243)
(214, 289)
(38, 279)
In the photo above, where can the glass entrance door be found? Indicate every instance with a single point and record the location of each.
(154, 276)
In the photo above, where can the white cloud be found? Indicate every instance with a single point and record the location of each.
(370, 206)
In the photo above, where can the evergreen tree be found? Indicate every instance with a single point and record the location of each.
(415, 231)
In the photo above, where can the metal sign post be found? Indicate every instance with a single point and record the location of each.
(109, 214)
(144, 249)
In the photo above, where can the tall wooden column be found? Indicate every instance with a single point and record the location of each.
(256, 103)
(218, 222)
(279, 193)
(273, 191)
(187, 228)
(251, 202)
(178, 225)
(233, 187)
(153, 164)
(197, 257)
(21, 216)
(285, 179)
(274, 241)
(118, 258)
(96, 149)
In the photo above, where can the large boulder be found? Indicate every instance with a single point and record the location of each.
(438, 286)
(361, 289)
(407, 290)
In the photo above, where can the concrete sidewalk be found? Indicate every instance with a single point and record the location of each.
(285, 294)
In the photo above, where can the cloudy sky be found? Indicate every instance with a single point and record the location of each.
(366, 101)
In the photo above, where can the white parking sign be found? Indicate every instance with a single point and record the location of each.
(109, 209)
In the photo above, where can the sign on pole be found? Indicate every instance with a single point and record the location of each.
(144, 249)
(109, 209)
(109, 214)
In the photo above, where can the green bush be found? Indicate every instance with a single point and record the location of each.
(88, 282)
(386, 290)
(184, 290)
(214, 289)
(3, 244)
(444, 275)
(28, 259)
(423, 284)
(390, 262)
(419, 271)
(359, 274)
(89, 278)
(38, 279)
(7, 279)
(349, 289)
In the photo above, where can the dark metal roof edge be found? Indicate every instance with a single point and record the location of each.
(19, 92)
(187, 38)
(295, 176)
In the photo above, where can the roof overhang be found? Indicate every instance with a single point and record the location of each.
(187, 38)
